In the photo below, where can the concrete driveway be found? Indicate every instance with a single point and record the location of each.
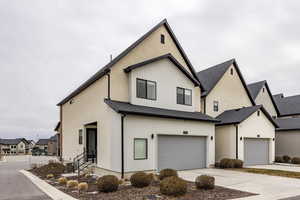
(268, 187)
(14, 185)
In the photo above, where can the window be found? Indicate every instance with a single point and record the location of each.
(184, 96)
(162, 38)
(145, 89)
(263, 90)
(80, 136)
(216, 106)
(231, 71)
(258, 113)
(140, 149)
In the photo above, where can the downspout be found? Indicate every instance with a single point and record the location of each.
(204, 106)
(122, 145)
(236, 141)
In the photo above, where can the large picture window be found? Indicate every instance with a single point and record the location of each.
(140, 149)
(145, 89)
(184, 96)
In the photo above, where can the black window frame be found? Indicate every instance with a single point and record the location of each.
(184, 103)
(80, 136)
(216, 106)
(146, 89)
(144, 139)
(162, 39)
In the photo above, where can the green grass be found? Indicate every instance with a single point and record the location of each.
(270, 172)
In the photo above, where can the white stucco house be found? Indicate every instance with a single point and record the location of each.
(140, 112)
(13, 146)
(246, 131)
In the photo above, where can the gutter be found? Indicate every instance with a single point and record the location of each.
(122, 145)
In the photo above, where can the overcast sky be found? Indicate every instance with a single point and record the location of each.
(49, 47)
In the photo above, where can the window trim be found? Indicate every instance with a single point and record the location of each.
(146, 89)
(217, 106)
(184, 89)
(146, 157)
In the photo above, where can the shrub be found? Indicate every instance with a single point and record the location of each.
(69, 167)
(224, 163)
(53, 168)
(51, 161)
(167, 173)
(217, 165)
(286, 159)
(83, 186)
(62, 181)
(108, 183)
(49, 176)
(231, 163)
(279, 159)
(140, 179)
(238, 163)
(72, 184)
(33, 166)
(296, 160)
(173, 186)
(205, 182)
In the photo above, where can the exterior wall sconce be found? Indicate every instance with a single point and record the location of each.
(152, 136)
(273, 139)
(241, 138)
(211, 137)
(258, 135)
(185, 132)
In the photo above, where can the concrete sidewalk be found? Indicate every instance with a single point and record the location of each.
(268, 187)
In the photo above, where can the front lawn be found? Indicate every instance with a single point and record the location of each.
(270, 172)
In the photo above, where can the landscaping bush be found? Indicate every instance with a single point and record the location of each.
(140, 179)
(69, 167)
(279, 159)
(231, 163)
(83, 186)
(286, 159)
(238, 163)
(205, 182)
(53, 168)
(108, 183)
(62, 181)
(217, 165)
(167, 173)
(296, 160)
(224, 163)
(49, 176)
(173, 186)
(33, 166)
(72, 184)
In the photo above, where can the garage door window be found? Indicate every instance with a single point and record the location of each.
(140, 149)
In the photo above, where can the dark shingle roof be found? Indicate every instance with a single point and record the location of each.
(127, 108)
(288, 124)
(166, 56)
(236, 116)
(11, 141)
(211, 76)
(42, 142)
(107, 67)
(288, 106)
(53, 138)
(254, 89)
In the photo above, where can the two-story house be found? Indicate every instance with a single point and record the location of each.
(246, 130)
(13, 146)
(140, 112)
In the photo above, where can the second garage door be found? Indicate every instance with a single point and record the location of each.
(181, 152)
(256, 151)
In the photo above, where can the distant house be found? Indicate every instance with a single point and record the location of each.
(52, 145)
(42, 144)
(30, 145)
(13, 146)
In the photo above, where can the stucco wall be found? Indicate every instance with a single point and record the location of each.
(263, 98)
(225, 142)
(229, 92)
(143, 127)
(167, 77)
(287, 143)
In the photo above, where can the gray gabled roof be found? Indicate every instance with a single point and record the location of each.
(236, 116)
(288, 106)
(288, 124)
(12, 141)
(254, 89)
(166, 56)
(127, 108)
(106, 69)
(211, 76)
(42, 142)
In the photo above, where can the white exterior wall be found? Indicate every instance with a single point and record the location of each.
(167, 77)
(263, 98)
(225, 142)
(257, 125)
(21, 147)
(144, 127)
(287, 143)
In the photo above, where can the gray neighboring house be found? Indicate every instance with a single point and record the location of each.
(42, 144)
(13, 146)
(52, 145)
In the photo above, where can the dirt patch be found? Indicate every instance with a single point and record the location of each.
(270, 172)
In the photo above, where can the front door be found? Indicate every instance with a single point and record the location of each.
(91, 144)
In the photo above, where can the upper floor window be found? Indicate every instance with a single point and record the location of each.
(145, 89)
(162, 38)
(263, 90)
(216, 106)
(231, 71)
(184, 96)
(258, 113)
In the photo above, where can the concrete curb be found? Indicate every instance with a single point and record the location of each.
(48, 189)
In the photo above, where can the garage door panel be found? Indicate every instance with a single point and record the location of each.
(256, 151)
(181, 152)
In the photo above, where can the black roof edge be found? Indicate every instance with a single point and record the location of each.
(103, 71)
(171, 58)
(231, 123)
(287, 129)
(269, 116)
(288, 115)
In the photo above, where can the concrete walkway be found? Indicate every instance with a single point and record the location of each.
(268, 187)
(284, 167)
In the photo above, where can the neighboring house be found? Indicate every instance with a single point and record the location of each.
(140, 112)
(52, 145)
(57, 129)
(30, 145)
(42, 144)
(246, 131)
(13, 146)
(288, 106)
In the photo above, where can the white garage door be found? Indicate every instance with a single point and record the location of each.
(256, 151)
(181, 152)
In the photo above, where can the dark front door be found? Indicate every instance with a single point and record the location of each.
(91, 144)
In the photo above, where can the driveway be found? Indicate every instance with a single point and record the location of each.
(268, 187)
(14, 185)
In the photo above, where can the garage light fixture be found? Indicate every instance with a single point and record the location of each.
(211, 137)
(185, 132)
(152, 136)
(258, 135)
(273, 139)
(241, 138)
